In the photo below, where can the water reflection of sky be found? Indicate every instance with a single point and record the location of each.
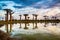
(50, 28)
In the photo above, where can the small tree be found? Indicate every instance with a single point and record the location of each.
(45, 17)
(20, 16)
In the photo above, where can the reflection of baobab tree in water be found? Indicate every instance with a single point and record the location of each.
(45, 24)
(8, 29)
(34, 25)
(28, 20)
(54, 24)
(20, 25)
(25, 26)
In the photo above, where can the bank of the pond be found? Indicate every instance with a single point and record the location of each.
(6, 36)
(37, 36)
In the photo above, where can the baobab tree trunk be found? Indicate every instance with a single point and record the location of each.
(10, 22)
(25, 17)
(7, 16)
(33, 17)
(20, 16)
(36, 18)
(6, 19)
(7, 30)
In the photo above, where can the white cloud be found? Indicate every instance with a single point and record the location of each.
(42, 4)
(9, 5)
(30, 10)
(41, 12)
(53, 11)
(2, 13)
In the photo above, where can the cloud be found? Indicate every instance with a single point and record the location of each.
(2, 13)
(53, 11)
(35, 6)
(32, 3)
(39, 3)
(27, 10)
(8, 5)
(45, 4)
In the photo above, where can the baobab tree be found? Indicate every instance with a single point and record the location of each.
(20, 16)
(35, 15)
(8, 11)
(54, 17)
(28, 18)
(25, 16)
(45, 17)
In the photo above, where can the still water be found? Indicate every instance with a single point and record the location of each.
(32, 28)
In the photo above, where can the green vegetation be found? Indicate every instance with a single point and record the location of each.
(30, 21)
(37, 37)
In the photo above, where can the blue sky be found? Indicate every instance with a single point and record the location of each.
(30, 6)
(32, 3)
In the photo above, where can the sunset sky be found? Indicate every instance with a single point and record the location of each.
(46, 7)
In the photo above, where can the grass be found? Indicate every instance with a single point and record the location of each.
(38, 36)
(29, 21)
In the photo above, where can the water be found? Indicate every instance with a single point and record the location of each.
(32, 28)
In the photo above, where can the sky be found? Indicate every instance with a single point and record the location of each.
(46, 7)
